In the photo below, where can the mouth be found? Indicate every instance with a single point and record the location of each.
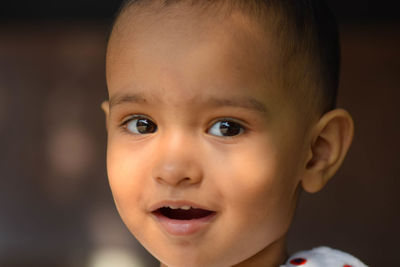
(181, 220)
(183, 213)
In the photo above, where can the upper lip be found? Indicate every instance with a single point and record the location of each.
(178, 204)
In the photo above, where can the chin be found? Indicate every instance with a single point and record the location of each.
(182, 259)
(198, 261)
(184, 262)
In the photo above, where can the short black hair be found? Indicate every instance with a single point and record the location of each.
(308, 37)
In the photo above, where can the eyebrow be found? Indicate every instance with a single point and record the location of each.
(127, 99)
(241, 102)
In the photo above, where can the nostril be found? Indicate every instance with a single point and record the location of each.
(174, 181)
(185, 180)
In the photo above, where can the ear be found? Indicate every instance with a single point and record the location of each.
(331, 139)
(106, 108)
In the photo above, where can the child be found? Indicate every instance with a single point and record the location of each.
(220, 113)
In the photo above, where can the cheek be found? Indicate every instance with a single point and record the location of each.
(257, 192)
(260, 183)
(124, 174)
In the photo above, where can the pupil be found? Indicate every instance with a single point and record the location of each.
(229, 128)
(145, 126)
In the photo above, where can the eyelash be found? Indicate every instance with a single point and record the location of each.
(243, 129)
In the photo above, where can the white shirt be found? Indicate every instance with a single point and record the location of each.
(323, 257)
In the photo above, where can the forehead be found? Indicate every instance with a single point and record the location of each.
(190, 54)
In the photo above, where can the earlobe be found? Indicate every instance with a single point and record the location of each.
(331, 140)
(106, 108)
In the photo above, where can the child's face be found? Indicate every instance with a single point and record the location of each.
(196, 119)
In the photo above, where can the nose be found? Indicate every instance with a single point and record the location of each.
(177, 163)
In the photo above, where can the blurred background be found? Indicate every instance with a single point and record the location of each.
(55, 205)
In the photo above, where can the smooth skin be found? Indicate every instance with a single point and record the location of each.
(185, 74)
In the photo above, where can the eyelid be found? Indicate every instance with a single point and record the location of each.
(242, 123)
(129, 118)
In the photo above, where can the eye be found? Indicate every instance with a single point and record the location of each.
(139, 125)
(226, 128)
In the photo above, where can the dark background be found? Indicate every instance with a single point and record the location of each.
(349, 11)
(61, 9)
(55, 205)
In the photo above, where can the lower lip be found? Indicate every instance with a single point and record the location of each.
(183, 227)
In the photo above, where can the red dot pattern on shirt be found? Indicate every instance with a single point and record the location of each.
(298, 261)
(301, 261)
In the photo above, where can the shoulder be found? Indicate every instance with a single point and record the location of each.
(323, 256)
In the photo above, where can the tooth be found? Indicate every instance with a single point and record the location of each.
(185, 207)
(173, 207)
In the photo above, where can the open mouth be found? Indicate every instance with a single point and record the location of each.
(183, 219)
(183, 213)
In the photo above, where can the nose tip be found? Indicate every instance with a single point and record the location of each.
(176, 159)
(177, 172)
